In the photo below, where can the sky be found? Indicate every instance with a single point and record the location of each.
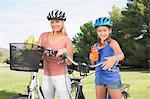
(21, 18)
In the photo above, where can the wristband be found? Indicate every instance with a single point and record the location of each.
(117, 59)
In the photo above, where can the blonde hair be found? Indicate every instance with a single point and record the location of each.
(64, 30)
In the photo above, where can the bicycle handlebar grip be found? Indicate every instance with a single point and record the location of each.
(63, 56)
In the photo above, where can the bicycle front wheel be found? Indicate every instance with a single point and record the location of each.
(73, 90)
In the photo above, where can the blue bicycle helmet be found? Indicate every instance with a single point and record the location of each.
(103, 21)
(56, 14)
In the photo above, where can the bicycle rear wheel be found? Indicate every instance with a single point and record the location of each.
(125, 95)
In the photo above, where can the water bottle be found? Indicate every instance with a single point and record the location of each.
(94, 52)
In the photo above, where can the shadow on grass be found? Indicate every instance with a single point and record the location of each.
(11, 95)
(136, 70)
(6, 95)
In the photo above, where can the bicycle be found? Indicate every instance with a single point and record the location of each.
(26, 57)
(83, 68)
(17, 52)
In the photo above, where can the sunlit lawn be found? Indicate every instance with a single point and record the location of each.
(14, 82)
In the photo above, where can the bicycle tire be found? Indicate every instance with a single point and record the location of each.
(73, 90)
(125, 95)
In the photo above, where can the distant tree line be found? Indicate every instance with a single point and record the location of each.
(4, 55)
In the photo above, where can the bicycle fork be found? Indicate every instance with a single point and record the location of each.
(34, 85)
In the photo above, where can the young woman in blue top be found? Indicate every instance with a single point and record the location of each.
(110, 53)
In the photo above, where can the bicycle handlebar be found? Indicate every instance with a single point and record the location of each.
(82, 67)
(84, 64)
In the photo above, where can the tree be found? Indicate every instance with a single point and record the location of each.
(116, 17)
(132, 31)
(83, 42)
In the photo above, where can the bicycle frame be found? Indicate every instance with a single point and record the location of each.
(79, 93)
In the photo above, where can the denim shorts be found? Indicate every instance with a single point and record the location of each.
(114, 85)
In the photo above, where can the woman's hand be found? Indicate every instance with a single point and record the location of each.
(109, 63)
(61, 51)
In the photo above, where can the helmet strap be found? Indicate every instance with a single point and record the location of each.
(102, 42)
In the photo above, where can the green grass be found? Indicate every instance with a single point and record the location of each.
(13, 82)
